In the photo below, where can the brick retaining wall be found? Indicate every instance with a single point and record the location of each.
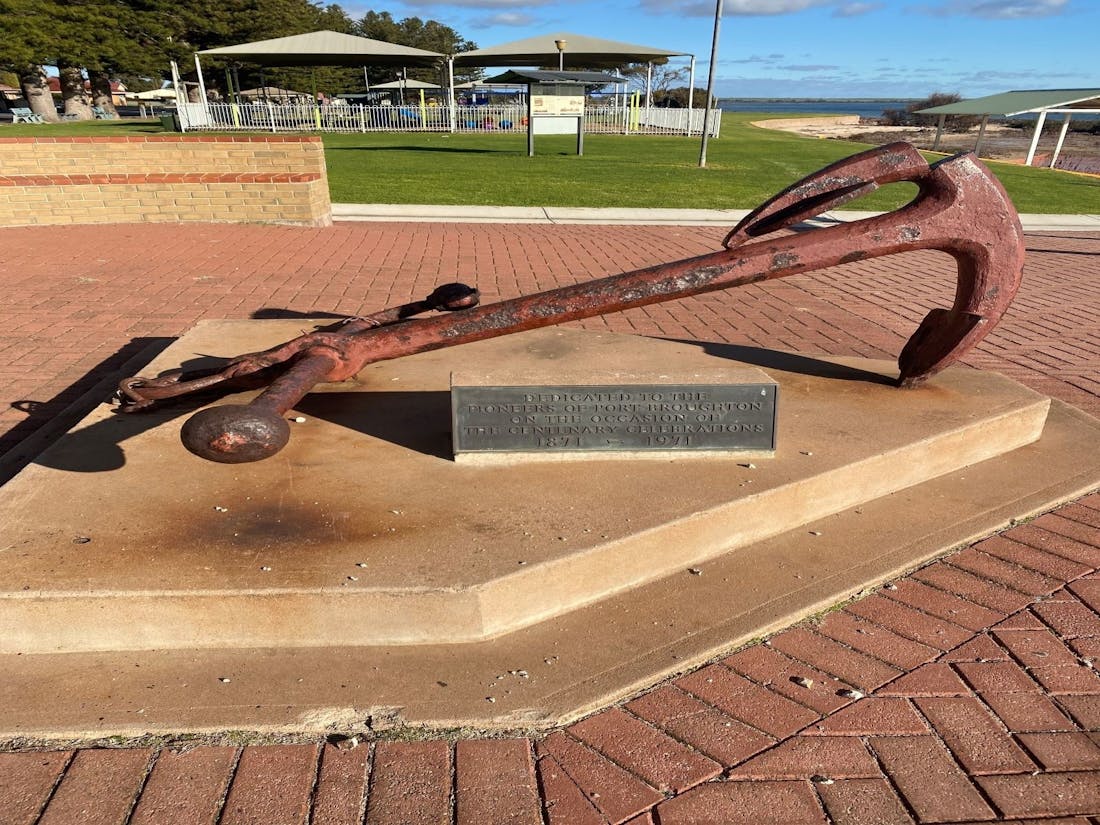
(163, 178)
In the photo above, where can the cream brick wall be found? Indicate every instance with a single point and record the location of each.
(35, 184)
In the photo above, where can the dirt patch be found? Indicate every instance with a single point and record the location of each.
(1001, 142)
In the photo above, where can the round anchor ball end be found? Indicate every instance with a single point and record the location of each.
(235, 434)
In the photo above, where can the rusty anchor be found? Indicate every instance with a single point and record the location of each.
(960, 209)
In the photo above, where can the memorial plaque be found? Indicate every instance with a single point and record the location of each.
(614, 418)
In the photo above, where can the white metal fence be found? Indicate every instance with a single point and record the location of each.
(295, 117)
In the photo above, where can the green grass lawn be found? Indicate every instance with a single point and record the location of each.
(744, 167)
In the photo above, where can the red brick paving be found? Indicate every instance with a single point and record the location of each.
(495, 782)
(410, 782)
(982, 704)
(340, 794)
(27, 782)
(272, 786)
(186, 788)
(99, 788)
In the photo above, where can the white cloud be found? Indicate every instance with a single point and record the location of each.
(758, 8)
(1000, 9)
(478, 4)
(770, 6)
(702, 8)
(993, 75)
(756, 58)
(505, 18)
(856, 9)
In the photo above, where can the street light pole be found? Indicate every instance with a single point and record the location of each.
(710, 84)
(561, 54)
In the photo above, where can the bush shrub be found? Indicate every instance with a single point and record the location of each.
(909, 117)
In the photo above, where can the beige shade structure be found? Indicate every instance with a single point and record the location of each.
(578, 50)
(327, 48)
(274, 93)
(1020, 102)
(405, 84)
(322, 48)
(570, 50)
(153, 94)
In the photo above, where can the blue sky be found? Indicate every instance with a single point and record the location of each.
(820, 48)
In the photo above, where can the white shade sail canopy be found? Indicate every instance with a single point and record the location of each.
(153, 94)
(578, 50)
(326, 48)
(274, 93)
(405, 84)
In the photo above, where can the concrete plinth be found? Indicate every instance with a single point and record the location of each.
(362, 572)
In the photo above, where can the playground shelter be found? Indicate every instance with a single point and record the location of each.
(1041, 102)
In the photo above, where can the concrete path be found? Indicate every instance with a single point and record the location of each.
(965, 692)
(633, 217)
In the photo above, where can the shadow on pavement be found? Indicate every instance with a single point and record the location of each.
(788, 362)
(47, 421)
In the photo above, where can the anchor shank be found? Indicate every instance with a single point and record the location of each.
(747, 264)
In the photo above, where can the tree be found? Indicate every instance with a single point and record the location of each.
(669, 85)
(128, 37)
(430, 35)
(99, 37)
(208, 24)
(678, 98)
(107, 39)
(23, 48)
(909, 117)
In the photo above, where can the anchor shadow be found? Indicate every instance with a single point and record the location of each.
(788, 362)
(418, 421)
(415, 420)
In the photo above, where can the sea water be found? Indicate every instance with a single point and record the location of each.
(831, 106)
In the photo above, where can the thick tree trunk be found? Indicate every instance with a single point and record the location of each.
(101, 91)
(32, 80)
(73, 94)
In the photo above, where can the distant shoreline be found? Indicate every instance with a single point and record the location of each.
(815, 100)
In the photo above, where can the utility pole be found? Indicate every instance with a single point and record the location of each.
(710, 84)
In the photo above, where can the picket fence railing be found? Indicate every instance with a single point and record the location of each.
(306, 117)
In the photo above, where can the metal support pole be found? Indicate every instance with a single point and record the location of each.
(1061, 140)
(237, 83)
(981, 136)
(1035, 138)
(939, 132)
(530, 125)
(649, 86)
(316, 99)
(232, 94)
(710, 83)
(691, 92)
(202, 86)
(452, 105)
(181, 96)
